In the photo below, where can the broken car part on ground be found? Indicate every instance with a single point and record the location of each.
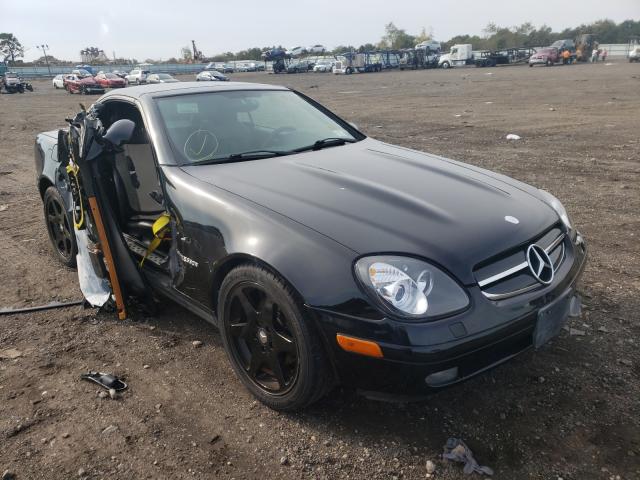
(323, 256)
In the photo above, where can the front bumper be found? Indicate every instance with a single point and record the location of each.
(487, 334)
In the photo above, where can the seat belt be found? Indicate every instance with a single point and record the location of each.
(160, 228)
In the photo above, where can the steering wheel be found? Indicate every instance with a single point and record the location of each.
(200, 145)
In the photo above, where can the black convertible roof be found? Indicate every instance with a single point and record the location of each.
(161, 89)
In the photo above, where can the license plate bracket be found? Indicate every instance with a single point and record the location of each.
(551, 319)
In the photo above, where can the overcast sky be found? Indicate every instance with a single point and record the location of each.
(159, 28)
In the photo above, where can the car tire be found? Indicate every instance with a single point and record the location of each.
(59, 227)
(549, 63)
(276, 353)
(446, 65)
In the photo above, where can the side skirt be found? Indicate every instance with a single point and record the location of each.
(161, 284)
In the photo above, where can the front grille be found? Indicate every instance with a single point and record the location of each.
(508, 274)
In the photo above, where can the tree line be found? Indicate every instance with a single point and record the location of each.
(493, 37)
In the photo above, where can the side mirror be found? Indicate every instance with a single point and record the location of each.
(120, 132)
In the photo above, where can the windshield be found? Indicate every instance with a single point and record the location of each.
(111, 76)
(216, 125)
(163, 76)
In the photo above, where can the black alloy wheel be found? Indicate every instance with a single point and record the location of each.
(271, 347)
(59, 227)
(261, 339)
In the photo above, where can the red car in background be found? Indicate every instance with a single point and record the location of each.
(548, 56)
(110, 80)
(74, 84)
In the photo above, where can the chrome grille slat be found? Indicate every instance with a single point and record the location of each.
(517, 268)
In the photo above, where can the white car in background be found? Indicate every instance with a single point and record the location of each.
(211, 75)
(297, 51)
(324, 66)
(58, 81)
(317, 49)
(430, 45)
(137, 76)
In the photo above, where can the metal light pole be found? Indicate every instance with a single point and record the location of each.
(46, 59)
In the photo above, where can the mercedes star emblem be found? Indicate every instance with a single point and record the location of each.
(540, 264)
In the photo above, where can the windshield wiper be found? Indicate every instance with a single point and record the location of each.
(326, 142)
(238, 157)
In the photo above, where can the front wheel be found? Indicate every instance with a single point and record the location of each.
(274, 350)
(446, 65)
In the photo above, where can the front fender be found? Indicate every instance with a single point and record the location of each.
(217, 225)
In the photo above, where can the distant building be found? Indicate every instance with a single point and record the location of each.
(92, 54)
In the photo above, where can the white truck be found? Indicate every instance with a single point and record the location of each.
(460, 55)
(463, 55)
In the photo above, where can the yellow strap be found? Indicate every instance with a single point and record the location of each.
(159, 228)
(72, 173)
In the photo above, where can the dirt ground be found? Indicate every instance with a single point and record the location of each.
(570, 410)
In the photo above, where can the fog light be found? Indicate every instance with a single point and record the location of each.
(442, 377)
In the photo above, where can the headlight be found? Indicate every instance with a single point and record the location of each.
(554, 203)
(410, 287)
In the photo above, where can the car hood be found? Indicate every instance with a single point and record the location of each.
(373, 197)
(88, 81)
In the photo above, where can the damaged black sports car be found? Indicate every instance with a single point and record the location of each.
(323, 256)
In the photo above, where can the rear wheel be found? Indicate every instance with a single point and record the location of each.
(272, 348)
(59, 227)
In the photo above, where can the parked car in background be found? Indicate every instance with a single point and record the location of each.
(634, 54)
(211, 75)
(120, 73)
(228, 68)
(82, 73)
(429, 45)
(86, 85)
(317, 49)
(545, 56)
(246, 67)
(58, 81)
(110, 80)
(12, 83)
(86, 68)
(323, 66)
(300, 66)
(137, 76)
(297, 51)
(161, 78)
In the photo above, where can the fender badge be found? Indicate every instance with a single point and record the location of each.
(511, 219)
(187, 260)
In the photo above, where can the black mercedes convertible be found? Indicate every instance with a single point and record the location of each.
(323, 256)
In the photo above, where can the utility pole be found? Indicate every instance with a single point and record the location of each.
(46, 59)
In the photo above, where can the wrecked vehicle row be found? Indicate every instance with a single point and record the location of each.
(323, 256)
